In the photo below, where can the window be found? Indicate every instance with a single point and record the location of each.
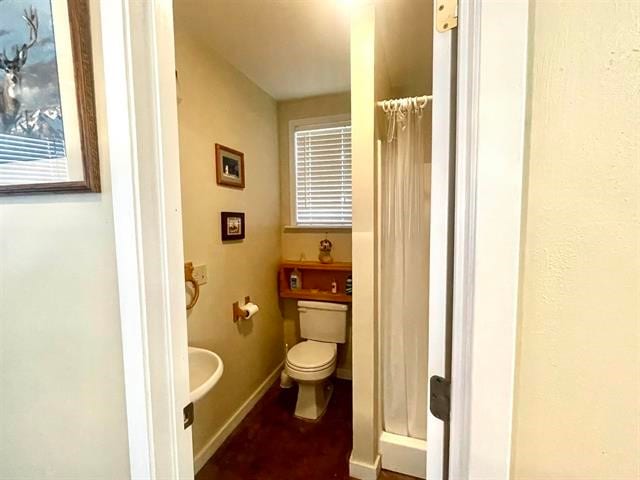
(322, 174)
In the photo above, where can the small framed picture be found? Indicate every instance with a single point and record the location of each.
(229, 167)
(232, 224)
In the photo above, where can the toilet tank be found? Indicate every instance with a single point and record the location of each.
(323, 321)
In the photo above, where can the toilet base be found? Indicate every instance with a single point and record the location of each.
(313, 399)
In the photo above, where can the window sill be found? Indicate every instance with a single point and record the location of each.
(316, 229)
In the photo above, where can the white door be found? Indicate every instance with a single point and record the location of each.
(143, 143)
(441, 253)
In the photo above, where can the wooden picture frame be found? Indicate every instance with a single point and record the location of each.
(232, 226)
(229, 167)
(79, 153)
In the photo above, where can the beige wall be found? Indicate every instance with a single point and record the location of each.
(364, 69)
(382, 90)
(220, 105)
(577, 398)
(305, 242)
(62, 405)
(297, 242)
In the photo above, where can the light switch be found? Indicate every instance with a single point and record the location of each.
(200, 274)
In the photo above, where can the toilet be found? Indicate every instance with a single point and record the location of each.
(311, 362)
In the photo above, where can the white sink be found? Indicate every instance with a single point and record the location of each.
(205, 369)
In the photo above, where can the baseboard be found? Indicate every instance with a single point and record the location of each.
(343, 373)
(364, 471)
(404, 455)
(221, 435)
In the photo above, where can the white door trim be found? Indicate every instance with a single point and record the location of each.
(465, 227)
(491, 114)
(441, 237)
(143, 147)
(122, 151)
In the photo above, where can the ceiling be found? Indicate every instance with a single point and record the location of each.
(300, 48)
(290, 48)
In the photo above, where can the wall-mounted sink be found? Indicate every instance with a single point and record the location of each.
(205, 369)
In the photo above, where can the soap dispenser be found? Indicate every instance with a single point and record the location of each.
(295, 280)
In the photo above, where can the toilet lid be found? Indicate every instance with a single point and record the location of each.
(311, 355)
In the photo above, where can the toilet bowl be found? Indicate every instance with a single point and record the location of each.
(312, 362)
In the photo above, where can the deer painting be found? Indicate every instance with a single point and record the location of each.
(12, 69)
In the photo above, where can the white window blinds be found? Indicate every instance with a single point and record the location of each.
(26, 160)
(323, 174)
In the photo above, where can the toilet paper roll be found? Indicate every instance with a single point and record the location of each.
(249, 309)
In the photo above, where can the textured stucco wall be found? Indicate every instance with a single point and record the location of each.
(577, 398)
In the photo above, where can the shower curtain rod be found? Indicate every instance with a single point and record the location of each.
(424, 99)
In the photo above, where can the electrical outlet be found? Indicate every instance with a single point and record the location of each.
(200, 274)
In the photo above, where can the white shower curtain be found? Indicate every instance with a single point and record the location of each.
(404, 281)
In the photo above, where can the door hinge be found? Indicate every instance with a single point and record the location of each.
(440, 399)
(446, 15)
(187, 415)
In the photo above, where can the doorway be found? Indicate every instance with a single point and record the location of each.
(264, 109)
(370, 425)
(280, 103)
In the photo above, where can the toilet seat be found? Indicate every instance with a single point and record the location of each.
(312, 356)
(311, 361)
(310, 376)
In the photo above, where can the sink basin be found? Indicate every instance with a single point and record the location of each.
(205, 369)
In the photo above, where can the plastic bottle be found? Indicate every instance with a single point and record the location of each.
(295, 280)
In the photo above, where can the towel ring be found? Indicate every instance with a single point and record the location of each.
(188, 278)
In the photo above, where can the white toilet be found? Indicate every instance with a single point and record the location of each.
(311, 363)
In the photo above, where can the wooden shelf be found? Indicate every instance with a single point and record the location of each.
(316, 281)
(305, 294)
(335, 266)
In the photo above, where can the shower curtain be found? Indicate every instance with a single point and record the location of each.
(404, 272)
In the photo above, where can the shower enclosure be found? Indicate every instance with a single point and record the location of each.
(403, 235)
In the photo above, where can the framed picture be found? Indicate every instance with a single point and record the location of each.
(48, 136)
(229, 166)
(232, 224)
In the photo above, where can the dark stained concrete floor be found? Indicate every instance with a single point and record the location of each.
(271, 444)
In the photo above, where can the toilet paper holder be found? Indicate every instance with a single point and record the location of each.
(238, 314)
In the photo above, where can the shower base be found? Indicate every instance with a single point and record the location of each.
(403, 454)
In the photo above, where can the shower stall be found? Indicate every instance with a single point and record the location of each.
(403, 297)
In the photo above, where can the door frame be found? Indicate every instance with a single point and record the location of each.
(143, 143)
(142, 122)
(493, 61)
(441, 239)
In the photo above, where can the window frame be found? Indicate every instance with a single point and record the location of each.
(293, 205)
